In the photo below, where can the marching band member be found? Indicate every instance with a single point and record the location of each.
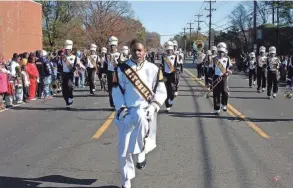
(124, 56)
(251, 64)
(102, 65)
(200, 61)
(66, 66)
(273, 63)
(207, 63)
(169, 63)
(91, 64)
(211, 65)
(181, 60)
(261, 70)
(112, 63)
(138, 94)
(290, 73)
(221, 67)
(177, 72)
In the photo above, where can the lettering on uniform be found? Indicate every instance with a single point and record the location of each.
(137, 83)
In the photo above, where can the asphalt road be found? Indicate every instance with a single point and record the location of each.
(44, 145)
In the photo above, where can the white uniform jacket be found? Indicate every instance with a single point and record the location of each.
(173, 62)
(112, 60)
(134, 127)
(224, 62)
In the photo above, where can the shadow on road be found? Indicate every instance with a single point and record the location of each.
(213, 116)
(63, 109)
(238, 87)
(77, 96)
(14, 182)
(242, 91)
(248, 97)
(205, 150)
(239, 166)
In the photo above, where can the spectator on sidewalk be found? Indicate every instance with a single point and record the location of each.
(33, 75)
(48, 72)
(14, 63)
(3, 82)
(9, 98)
(40, 85)
(26, 83)
(18, 85)
(24, 58)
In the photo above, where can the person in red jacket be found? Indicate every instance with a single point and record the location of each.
(33, 75)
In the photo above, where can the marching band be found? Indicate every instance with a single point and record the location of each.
(138, 88)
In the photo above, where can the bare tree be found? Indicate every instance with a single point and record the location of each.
(58, 22)
(105, 18)
(240, 19)
(153, 40)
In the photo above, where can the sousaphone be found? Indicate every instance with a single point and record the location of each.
(199, 45)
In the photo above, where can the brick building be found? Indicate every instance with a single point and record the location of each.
(20, 27)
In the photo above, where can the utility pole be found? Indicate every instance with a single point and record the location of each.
(278, 15)
(210, 24)
(198, 24)
(184, 36)
(190, 28)
(254, 26)
(273, 13)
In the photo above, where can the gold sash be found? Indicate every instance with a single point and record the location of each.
(113, 59)
(171, 67)
(221, 67)
(92, 60)
(138, 84)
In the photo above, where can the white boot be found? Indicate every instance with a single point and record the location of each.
(224, 107)
(217, 111)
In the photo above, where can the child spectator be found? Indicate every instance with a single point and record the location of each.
(18, 86)
(3, 82)
(26, 83)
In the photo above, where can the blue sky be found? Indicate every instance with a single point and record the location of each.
(169, 17)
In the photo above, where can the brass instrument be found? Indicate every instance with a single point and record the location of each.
(213, 85)
(288, 93)
(56, 86)
(199, 45)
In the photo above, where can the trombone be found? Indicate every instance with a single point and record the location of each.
(214, 84)
(288, 93)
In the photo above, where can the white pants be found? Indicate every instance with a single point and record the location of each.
(132, 132)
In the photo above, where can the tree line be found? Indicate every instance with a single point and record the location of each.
(238, 33)
(87, 22)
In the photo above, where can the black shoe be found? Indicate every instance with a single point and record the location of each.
(141, 165)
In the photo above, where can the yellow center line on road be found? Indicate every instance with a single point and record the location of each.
(104, 127)
(235, 113)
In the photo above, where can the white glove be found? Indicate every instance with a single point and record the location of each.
(122, 113)
(151, 110)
